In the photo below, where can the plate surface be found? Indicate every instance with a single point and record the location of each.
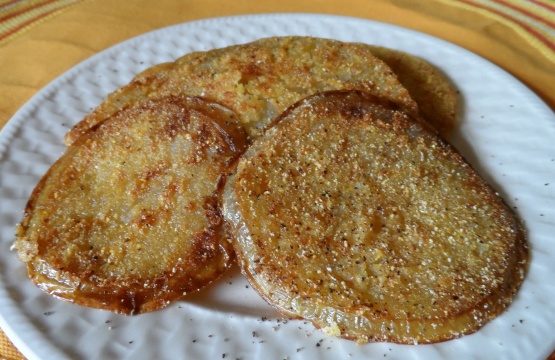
(506, 132)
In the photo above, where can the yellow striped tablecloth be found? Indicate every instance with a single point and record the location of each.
(17, 16)
(41, 39)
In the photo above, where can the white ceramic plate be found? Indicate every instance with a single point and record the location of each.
(507, 133)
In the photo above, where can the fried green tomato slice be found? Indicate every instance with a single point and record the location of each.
(352, 215)
(128, 219)
(432, 90)
(260, 79)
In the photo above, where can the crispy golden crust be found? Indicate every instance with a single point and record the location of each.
(350, 214)
(128, 219)
(259, 80)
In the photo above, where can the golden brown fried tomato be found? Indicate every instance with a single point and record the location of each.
(128, 219)
(260, 79)
(350, 214)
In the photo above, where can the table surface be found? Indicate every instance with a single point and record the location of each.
(41, 39)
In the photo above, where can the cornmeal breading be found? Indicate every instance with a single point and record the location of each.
(259, 80)
(351, 214)
(128, 219)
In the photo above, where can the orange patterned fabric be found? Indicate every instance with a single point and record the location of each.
(7, 350)
(533, 20)
(17, 16)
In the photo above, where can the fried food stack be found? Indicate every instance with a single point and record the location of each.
(320, 165)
